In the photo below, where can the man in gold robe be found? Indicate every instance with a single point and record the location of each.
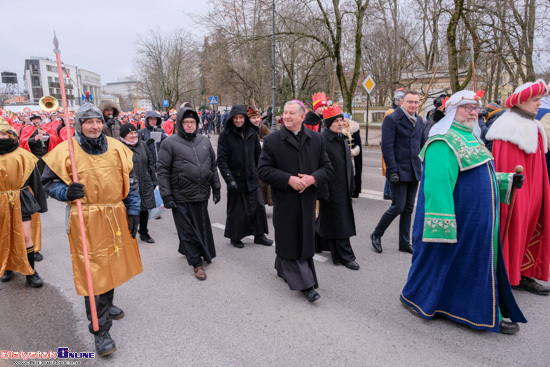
(110, 204)
(21, 196)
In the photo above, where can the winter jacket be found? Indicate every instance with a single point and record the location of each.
(145, 133)
(187, 166)
(239, 151)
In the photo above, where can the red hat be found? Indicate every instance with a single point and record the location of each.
(331, 113)
(319, 99)
(525, 92)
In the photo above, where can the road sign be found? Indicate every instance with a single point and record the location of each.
(165, 103)
(213, 100)
(369, 84)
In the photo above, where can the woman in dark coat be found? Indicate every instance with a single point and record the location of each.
(238, 152)
(186, 173)
(336, 223)
(144, 170)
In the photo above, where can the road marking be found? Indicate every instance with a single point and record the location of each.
(371, 194)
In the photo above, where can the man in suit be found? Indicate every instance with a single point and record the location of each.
(402, 140)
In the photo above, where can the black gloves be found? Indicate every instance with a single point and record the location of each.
(216, 197)
(394, 178)
(232, 187)
(133, 223)
(170, 205)
(75, 191)
(517, 180)
(150, 141)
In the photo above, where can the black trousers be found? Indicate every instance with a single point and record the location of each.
(143, 220)
(402, 204)
(103, 304)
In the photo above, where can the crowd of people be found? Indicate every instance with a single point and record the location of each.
(465, 261)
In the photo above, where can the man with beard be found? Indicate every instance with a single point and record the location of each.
(21, 195)
(336, 223)
(186, 173)
(238, 152)
(110, 204)
(110, 115)
(519, 139)
(294, 162)
(457, 267)
(37, 140)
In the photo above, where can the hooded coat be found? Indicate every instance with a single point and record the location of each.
(187, 168)
(238, 154)
(313, 121)
(112, 125)
(145, 133)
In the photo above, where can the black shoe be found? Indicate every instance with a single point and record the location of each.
(38, 256)
(406, 248)
(311, 294)
(116, 313)
(8, 275)
(104, 344)
(352, 265)
(237, 244)
(508, 327)
(146, 238)
(410, 308)
(376, 243)
(387, 197)
(531, 285)
(263, 240)
(34, 280)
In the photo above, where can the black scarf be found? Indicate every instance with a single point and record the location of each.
(8, 145)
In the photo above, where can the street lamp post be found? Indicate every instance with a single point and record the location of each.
(274, 88)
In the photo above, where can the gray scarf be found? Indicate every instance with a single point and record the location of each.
(411, 118)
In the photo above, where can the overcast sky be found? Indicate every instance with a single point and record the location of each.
(96, 35)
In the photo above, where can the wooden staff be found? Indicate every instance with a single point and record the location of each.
(91, 294)
(428, 90)
(474, 73)
(518, 169)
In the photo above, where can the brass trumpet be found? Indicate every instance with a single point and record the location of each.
(48, 103)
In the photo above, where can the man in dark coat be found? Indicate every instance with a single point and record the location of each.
(238, 152)
(153, 123)
(144, 168)
(336, 223)
(294, 162)
(186, 173)
(402, 140)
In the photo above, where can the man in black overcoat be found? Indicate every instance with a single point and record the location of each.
(294, 162)
(336, 223)
(402, 140)
(238, 152)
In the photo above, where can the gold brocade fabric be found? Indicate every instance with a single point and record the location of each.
(113, 253)
(36, 232)
(15, 169)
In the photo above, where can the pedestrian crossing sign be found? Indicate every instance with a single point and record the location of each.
(213, 100)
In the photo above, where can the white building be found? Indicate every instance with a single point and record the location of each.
(42, 79)
(129, 93)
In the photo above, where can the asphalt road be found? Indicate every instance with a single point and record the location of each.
(244, 315)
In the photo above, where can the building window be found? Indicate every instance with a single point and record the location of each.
(35, 81)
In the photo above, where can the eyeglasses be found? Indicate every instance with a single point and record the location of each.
(412, 102)
(469, 109)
